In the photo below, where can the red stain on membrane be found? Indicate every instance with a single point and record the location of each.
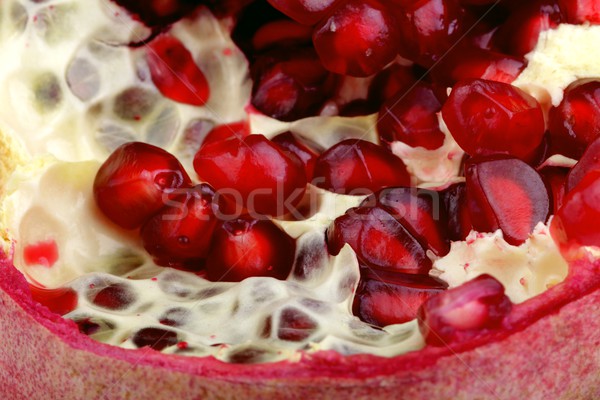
(43, 253)
(61, 300)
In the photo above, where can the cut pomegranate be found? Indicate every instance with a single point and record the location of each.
(358, 167)
(580, 11)
(290, 83)
(487, 117)
(457, 210)
(575, 122)
(155, 338)
(386, 299)
(246, 247)
(410, 116)
(420, 211)
(61, 300)
(253, 172)
(429, 28)
(135, 182)
(175, 73)
(590, 160)
(465, 312)
(306, 12)
(379, 240)
(507, 194)
(576, 222)
(359, 38)
(112, 296)
(305, 150)
(179, 234)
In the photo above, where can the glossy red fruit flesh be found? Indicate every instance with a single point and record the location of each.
(306, 12)
(556, 180)
(159, 13)
(174, 71)
(359, 38)
(519, 34)
(281, 33)
(254, 173)
(385, 299)
(245, 247)
(506, 194)
(590, 160)
(306, 151)
(487, 117)
(580, 11)
(379, 241)
(575, 122)
(422, 212)
(457, 210)
(179, 235)
(389, 82)
(290, 83)
(429, 29)
(465, 312)
(358, 167)
(576, 222)
(410, 116)
(136, 181)
(238, 130)
(61, 300)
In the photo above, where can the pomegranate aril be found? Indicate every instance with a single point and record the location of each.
(386, 299)
(590, 160)
(580, 11)
(305, 150)
(179, 235)
(420, 211)
(281, 33)
(135, 182)
(295, 325)
(429, 28)
(476, 307)
(411, 117)
(159, 13)
(114, 296)
(457, 210)
(507, 194)
(175, 73)
(155, 338)
(576, 223)
(392, 80)
(359, 167)
(290, 83)
(239, 130)
(379, 241)
(358, 38)
(255, 172)
(246, 247)
(556, 179)
(61, 300)
(306, 12)
(487, 117)
(575, 122)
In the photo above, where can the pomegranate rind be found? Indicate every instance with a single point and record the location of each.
(548, 348)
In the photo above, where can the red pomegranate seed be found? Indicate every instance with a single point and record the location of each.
(506, 194)
(157, 13)
(254, 172)
(519, 34)
(487, 117)
(306, 151)
(421, 211)
(576, 222)
(410, 116)
(575, 122)
(175, 73)
(429, 28)
(556, 179)
(114, 296)
(306, 12)
(179, 235)
(239, 130)
(457, 210)
(580, 11)
(385, 299)
(379, 240)
(359, 38)
(356, 166)
(61, 301)
(135, 181)
(590, 160)
(246, 247)
(389, 82)
(155, 338)
(465, 312)
(290, 83)
(282, 33)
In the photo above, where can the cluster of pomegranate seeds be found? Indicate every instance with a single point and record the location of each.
(464, 312)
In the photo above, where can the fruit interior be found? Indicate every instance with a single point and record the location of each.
(93, 92)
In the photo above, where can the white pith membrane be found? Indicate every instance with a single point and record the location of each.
(68, 88)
